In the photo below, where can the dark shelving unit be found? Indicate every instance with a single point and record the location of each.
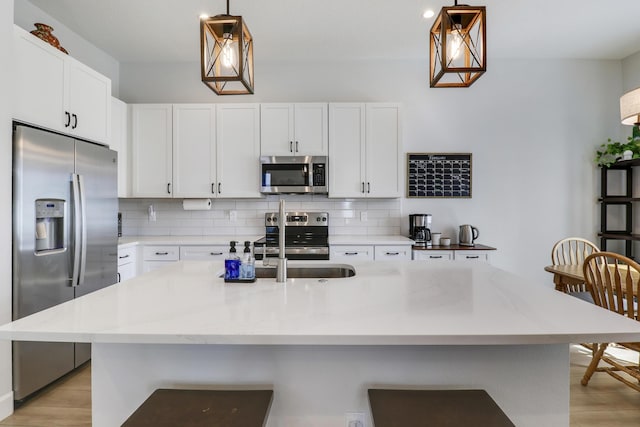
(626, 200)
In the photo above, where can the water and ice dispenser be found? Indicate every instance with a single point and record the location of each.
(49, 227)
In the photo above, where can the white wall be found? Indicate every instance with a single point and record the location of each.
(26, 14)
(6, 48)
(532, 127)
(631, 72)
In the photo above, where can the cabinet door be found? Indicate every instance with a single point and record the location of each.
(351, 253)
(392, 252)
(432, 255)
(88, 100)
(194, 141)
(346, 150)
(126, 271)
(276, 130)
(310, 130)
(119, 142)
(238, 150)
(471, 255)
(151, 150)
(383, 150)
(204, 253)
(38, 85)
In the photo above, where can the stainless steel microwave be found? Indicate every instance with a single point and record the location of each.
(293, 174)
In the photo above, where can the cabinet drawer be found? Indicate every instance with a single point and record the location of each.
(204, 252)
(392, 253)
(353, 253)
(161, 253)
(126, 255)
(427, 255)
(472, 256)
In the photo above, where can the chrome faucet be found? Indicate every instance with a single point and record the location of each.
(281, 265)
(281, 273)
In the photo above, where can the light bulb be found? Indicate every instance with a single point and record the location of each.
(229, 52)
(456, 40)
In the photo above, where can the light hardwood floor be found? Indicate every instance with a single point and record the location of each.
(605, 402)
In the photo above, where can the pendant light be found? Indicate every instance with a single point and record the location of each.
(226, 54)
(458, 46)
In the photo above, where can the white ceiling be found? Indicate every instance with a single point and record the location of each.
(168, 30)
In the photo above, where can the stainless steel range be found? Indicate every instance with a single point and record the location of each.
(306, 236)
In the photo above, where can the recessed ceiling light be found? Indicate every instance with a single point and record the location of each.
(428, 14)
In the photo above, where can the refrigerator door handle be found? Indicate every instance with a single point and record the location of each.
(83, 246)
(77, 229)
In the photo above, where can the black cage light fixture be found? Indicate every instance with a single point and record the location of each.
(226, 54)
(458, 46)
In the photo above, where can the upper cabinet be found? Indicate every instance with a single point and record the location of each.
(294, 129)
(196, 150)
(55, 91)
(120, 142)
(151, 149)
(365, 150)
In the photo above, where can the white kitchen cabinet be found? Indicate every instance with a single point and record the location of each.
(158, 256)
(294, 129)
(204, 253)
(127, 263)
(55, 91)
(364, 150)
(238, 151)
(432, 255)
(151, 146)
(120, 142)
(351, 253)
(471, 255)
(392, 252)
(194, 150)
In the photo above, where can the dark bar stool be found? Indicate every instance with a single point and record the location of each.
(424, 408)
(200, 408)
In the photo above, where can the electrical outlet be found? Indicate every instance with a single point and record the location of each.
(233, 216)
(354, 419)
(363, 216)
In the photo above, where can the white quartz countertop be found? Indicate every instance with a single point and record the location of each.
(370, 240)
(183, 240)
(399, 303)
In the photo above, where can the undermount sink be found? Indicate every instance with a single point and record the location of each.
(326, 271)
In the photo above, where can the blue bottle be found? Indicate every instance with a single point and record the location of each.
(232, 264)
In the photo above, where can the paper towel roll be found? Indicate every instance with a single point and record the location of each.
(196, 204)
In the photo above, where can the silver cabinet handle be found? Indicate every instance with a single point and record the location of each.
(351, 253)
(472, 257)
(435, 256)
(216, 253)
(392, 253)
(162, 253)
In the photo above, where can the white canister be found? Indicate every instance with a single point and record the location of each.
(435, 239)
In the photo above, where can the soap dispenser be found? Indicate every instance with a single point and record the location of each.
(232, 263)
(247, 268)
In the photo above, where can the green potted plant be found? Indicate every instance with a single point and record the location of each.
(613, 151)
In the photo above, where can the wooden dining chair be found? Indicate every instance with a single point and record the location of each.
(613, 281)
(572, 251)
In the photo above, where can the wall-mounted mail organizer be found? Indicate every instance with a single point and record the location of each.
(438, 175)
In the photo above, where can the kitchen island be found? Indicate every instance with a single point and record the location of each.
(320, 344)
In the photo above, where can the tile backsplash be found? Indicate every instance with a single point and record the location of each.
(346, 216)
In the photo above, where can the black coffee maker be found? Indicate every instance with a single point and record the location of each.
(420, 228)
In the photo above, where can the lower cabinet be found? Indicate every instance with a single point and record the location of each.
(127, 263)
(215, 252)
(353, 253)
(433, 255)
(155, 257)
(472, 256)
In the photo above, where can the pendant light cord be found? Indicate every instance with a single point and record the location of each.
(229, 13)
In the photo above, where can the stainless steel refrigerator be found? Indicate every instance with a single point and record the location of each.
(65, 240)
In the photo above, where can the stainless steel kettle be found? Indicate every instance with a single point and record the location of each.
(468, 234)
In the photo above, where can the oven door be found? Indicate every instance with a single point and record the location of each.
(286, 175)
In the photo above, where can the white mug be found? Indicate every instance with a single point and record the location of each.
(435, 239)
